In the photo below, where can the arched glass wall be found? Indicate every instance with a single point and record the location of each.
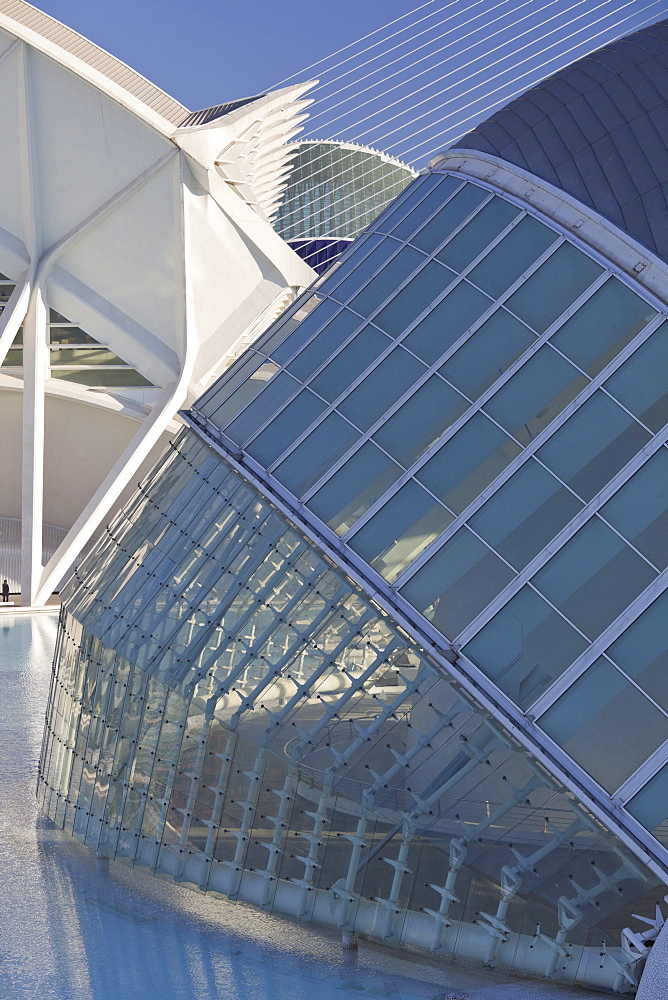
(475, 406)
(229, 709)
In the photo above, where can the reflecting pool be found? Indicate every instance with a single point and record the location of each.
(74, 928)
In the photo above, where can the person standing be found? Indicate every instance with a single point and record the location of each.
(5, 591)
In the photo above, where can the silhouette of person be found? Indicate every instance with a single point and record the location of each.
(5, 591)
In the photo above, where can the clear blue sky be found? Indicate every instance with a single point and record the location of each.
(203, 52)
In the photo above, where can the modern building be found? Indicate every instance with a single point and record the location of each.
(335, 190)
(137, 257)
(378, 643)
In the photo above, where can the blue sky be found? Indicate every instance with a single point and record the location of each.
(204, 52)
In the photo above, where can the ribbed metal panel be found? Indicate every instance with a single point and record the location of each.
(115, 70)
(599, 131)
(218, 111)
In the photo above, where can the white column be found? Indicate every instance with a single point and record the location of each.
(35, 361)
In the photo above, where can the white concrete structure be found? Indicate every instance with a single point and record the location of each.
(145, 230)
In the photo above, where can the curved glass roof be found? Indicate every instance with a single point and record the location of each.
(471, 406)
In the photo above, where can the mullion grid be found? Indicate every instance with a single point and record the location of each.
(257, 348)
(399, 340)
(432, 369)
(527, 452)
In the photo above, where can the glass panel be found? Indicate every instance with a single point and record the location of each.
(446, 323)
(268, 402)
(13, 358)
(553, 287)
(354, 271)
(419, 189)
(525, 514)
(354, 488)
(83, 356)
(393, 274)
(412, 300)
(640, 384)
(397, 534)
(642, 651)
(535, 395)
(602, 326)
(638, 510)
(320, 450)
(478, 233)
(420, 421)
(594, 577)
(468, 463)
(593, 445)
(525, 647)
(650, 805)
(102, 376)
(335, 333)
(449, 217)
(512, 256)
(287, 338)
(286, 427)
(404, 230)
(599, 713)
(382, 388)
(212, 401)
(487, 354)
(69, 335)
(457, 583)
(350, 363)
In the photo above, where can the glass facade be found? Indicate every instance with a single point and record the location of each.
(231, 710)
(465, 417)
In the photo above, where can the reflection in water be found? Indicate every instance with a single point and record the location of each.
(73, 927)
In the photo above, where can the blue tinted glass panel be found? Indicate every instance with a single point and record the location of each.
(320, 450)
(274, 394)
(251, 376)
(594, 577)
(522, 517)
(420, 421)
(553, 287)
(393, 274)
(593, 445)
(639, 510)
(450, 216)
(350, 275)
(468, 463)
(382, 388)
(335, 333)
(426, 286)
(421, 188)
(478, 233)
(403, 230)
(354, 488)
(599, 713)
(286, 339)
(650, 806)
(350, 363)
(602, 326)
(525, 647)
(401, 530)
(512, 256)
(286, 427)
(446, 323)
(640, 384)
(457, 583)
(487, 354)
(642, 651)
(535, 395)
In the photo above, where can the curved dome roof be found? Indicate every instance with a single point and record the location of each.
(599, 131)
